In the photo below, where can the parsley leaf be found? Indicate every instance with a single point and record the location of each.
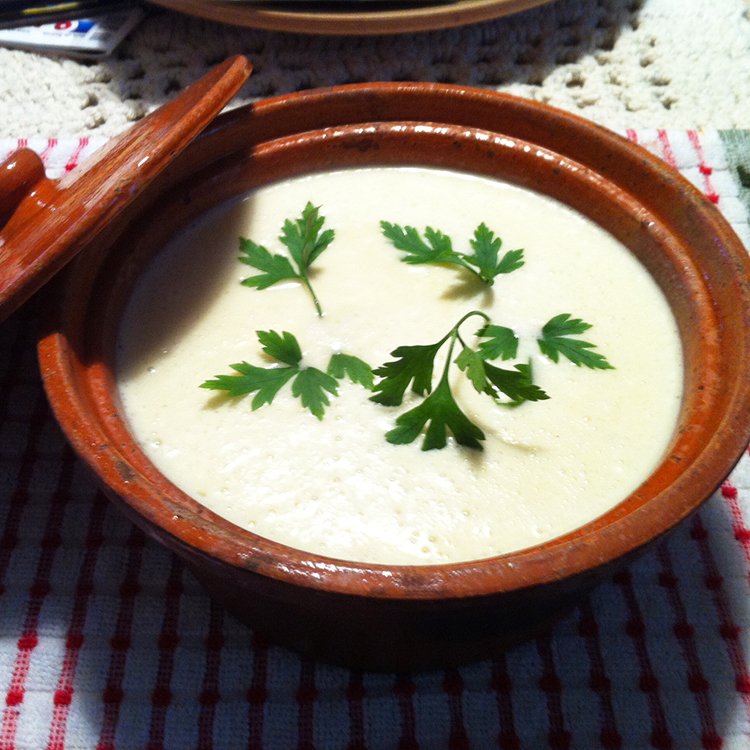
(438, 248)
(503, 342)
(415, 363)
(486, 247)
(516, 384)
(342, 365)
(267, 381)
(303, 237)
(442, 412)
(472, 364)
(555, 340)
(277, 267)
(305, 243)
(310, 384)
(285, 348)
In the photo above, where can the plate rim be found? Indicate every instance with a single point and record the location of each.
(356, 23)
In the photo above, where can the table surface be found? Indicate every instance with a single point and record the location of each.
(107, 642)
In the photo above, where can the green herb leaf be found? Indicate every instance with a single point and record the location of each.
(555, 340)
(516, 384)
(303, 237)
(415, 363)
(442, 412)
(310, 386)
(285, 348)
(486, 248)
(438, 248)
(266, 380)
(277, 267)
(503, 342)
(358, 371)
(472, 364)
(305, 243)
(510, 262)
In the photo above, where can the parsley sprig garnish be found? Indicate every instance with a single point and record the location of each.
(309, 384)
(415, 366)
(305, 242)
(437, 247)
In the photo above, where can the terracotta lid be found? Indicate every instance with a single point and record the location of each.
(44, 223)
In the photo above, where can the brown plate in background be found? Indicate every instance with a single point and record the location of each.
(305, 18)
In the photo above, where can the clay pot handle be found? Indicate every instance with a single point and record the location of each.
(44, 223)
(19, 173)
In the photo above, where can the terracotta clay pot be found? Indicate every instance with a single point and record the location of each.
(415, 617)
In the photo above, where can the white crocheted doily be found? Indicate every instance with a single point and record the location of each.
(622, 63)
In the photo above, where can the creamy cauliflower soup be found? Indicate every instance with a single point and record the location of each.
(335, 486)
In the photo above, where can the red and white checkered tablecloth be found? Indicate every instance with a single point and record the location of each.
(107, 643)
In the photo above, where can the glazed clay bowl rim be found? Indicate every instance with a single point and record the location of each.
(708, 444)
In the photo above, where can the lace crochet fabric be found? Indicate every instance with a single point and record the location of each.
(623, 63)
